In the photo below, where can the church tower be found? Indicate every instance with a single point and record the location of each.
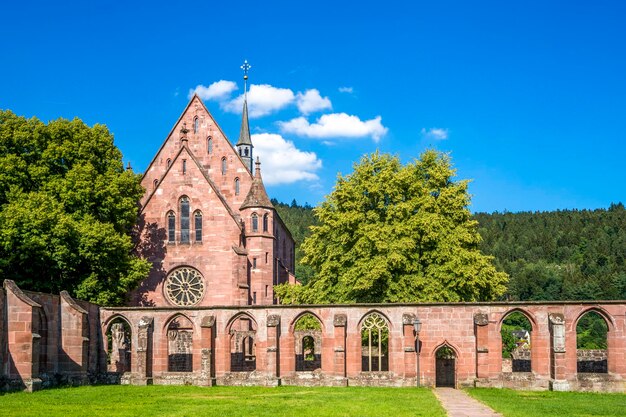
(244, 144)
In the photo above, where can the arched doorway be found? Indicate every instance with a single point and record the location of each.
(445, 367)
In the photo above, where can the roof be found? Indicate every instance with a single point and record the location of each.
(257, 196)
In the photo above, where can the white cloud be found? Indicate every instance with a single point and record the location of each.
(348, 90)
(282, 162)
(219, 90)
(311, 101)
(435, 133)
(263, 99)
(336, 125)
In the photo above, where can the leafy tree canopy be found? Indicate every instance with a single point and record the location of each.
(67, 208)
(396, 233)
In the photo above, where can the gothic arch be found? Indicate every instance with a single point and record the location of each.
(241, 314)
(242, 333)
(527, 359)
(446, 367)
(119, 343)
(531, 318)
(107, 323)
(374, 331)
(608, 319)
(445, 343)
(179, 339)
(293, 322)
(380, 313)
(177, 315)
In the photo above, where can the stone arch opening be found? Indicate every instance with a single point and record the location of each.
(307, 332)
(592, 343)
(242, 330)
(374, 343)
(516, 332)
(445, 366)
(119, 345)
(180, 344)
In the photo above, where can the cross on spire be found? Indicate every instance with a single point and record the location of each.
(245, 67)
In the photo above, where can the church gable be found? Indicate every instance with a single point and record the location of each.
(213, 151)
(185, 178)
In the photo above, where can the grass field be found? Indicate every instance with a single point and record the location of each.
(221, 401)
(548, 403)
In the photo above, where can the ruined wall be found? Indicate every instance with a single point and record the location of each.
(47, 340)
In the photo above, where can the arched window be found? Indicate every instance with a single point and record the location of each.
(156, 183)
(119, 346)
(171, 227)
(198, 226)
(168, 162)
(308, 337)
(209, 145)
(242, 345)
(180, 345)
(265, 222)
(196, 125)
(184, 220)
(374, 344)
(236, 186)
(591, 344)
(223, 166)
(245, 151)
(516, 348)
(255, 222)
(184, 166)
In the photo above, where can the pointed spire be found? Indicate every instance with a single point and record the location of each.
(244, 144)
(244, 132)
(257, 196)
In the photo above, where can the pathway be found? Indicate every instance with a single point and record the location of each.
(458, 404)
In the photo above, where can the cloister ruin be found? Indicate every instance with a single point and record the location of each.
(48, 340)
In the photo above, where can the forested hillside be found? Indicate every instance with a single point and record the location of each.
(298, 219)
(561, 255)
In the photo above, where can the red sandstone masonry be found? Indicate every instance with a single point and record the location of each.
(72, 336)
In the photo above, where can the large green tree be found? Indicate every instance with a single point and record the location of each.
(67, 209)
(396, 233)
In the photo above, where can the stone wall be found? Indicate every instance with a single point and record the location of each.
(49, 340)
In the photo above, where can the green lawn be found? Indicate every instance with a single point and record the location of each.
(221, 401)
(548, 403)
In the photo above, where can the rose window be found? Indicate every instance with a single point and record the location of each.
(184, 287)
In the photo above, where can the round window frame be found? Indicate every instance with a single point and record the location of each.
(176, 273)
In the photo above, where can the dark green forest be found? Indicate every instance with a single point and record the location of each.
(559, 255)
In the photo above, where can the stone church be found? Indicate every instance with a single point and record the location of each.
(206, 223)
(207, 315)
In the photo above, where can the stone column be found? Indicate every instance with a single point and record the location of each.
(207, 376)
(273, 349)
(558, 362)
(481, 330)
(144, 351)
(410, 354)
(339, 322)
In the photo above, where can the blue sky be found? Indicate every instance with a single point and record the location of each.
(528, 97)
